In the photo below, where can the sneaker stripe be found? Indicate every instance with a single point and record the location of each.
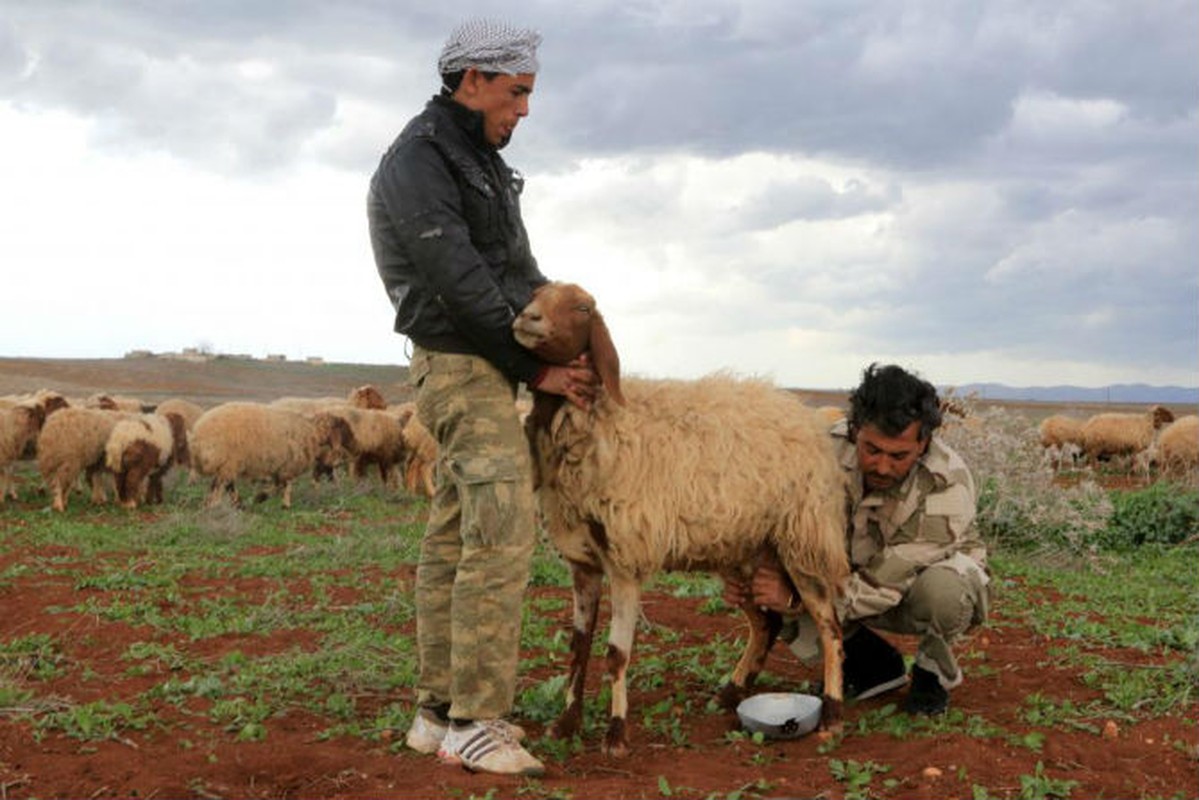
(478, 745)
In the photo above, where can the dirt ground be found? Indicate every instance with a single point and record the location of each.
(1006, 662)
(194, 758)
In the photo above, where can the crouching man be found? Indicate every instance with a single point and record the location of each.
(918, 564)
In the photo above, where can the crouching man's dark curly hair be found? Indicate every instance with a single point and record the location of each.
(891, 398)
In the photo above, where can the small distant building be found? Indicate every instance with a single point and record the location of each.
(139, 354)
(276, 357)
(315, 360)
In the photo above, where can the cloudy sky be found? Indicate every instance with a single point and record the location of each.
(1000, 191)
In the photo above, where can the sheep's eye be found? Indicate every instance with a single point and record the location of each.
(583, 309)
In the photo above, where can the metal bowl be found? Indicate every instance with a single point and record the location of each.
(780, 715)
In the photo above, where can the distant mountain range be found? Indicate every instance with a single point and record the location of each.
(1116, 393)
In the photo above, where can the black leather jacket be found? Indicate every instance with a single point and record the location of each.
(448, 239)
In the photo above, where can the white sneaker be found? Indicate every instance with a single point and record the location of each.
(426, 732)
(488, 745)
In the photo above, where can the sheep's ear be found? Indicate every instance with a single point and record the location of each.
(605, 358)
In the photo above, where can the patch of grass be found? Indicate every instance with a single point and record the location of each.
(1040, 786)
(95, 721)
(856, 776)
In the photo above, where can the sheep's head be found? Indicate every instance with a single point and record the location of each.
(561, 323)
(1161, 416)
(367, 397)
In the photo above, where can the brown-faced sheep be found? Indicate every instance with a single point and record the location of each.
(377, 436)
(1178, 447)
(72, 443)
(139, 452)
(255, 441)
(1113, 434)
(679, 475)
(189, 411)
(47, 400)
(1061, 437)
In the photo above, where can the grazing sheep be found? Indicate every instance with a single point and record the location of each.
(19, 427)
(1061, 436)
(1178, 446)
(679, 475)
(47, 400)
(1113, 434)
(139, 452)
(378, 439)
(72, 442)
(189, 411)
(256, 441)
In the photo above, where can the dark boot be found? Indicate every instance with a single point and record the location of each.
(872, 666)
(927, 696)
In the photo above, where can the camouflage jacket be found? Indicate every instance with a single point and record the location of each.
(928, 519)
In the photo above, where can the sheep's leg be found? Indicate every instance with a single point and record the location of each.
(626, 605)
(222, 486)
(95, 476)
(60, 486)
(215, 489)
(587, 581)
(818, 602)
(154, 492)
(285, 485)
(763, 631)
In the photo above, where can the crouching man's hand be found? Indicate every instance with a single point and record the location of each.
(769, 589)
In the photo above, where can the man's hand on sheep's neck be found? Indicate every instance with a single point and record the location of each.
(576, 381)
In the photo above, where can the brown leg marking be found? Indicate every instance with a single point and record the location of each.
(587, 581)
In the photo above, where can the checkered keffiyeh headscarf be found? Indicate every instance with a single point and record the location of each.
(491, 46)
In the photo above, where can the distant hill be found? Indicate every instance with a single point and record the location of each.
(232, 378)
(1121, 393)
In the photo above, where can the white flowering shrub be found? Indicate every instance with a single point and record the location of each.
(1020, 505)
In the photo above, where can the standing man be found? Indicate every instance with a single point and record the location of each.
(918, 564)
(452, 250)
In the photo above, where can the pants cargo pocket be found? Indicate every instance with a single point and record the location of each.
(488, 492)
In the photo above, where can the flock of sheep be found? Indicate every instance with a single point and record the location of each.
(103, 439)
(123, 441)
(1147, 441)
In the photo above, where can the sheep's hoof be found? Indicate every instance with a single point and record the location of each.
(616, 743)
(830, 715)
(730, 696)
(565, 727)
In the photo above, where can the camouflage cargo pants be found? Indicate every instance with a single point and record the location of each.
(940, 606)
(476, 551)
